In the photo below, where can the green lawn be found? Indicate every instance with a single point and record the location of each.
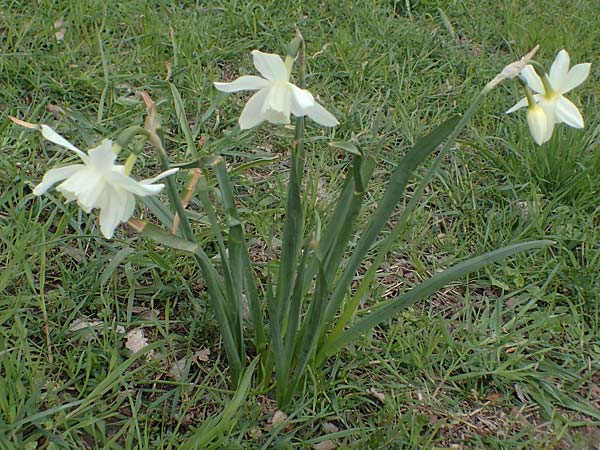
(509, 358)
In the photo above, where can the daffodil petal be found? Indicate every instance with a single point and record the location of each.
(549, 108)
(532, 79)
(576, 76)
(270, 66)
(128, 208)
(243, 83)
(321, 116)
(549, 130)
(253, 113)
(277, 106)
(124, 203)
(53, 176)
(103, 157)
(87, 194)
(114, 211)
(520, 104)
(69, 196)
(537, 121)
(120, 180)
(85, 186)
(56, 138)
(302, 100)
(166, 173)
(568, 113)
(559, 70)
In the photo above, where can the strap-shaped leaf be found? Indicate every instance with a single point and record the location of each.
(392, 195)
(432, 285)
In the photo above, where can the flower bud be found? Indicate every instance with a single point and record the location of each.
(126, 136)
(294, 46)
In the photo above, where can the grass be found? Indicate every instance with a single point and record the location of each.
(509, 358)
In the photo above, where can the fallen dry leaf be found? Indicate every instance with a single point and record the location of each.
(493, 397)
(329, 428)
(279, 417)
(325, 445)
(135, 340)
(145, 313)
(177, 368)
(201, 355)
(378, 395)
(59, 26)
(80, 324)
(58, 114)
(89, 325)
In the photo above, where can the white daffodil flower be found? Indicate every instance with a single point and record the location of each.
(98, 182)
(549, 92)
(276, 97)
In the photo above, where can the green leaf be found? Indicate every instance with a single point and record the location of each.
(157, 208)
(167, 239)
(347, 146)
(392, 195)
(116, 260)
(209, 435)
(205, 162)
(432, 285)
(183, 121)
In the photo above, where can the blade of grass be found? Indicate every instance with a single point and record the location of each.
(183, 122)
(216, 427)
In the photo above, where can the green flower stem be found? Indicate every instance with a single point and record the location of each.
(214, 283)
(282, 329)
(241, 267)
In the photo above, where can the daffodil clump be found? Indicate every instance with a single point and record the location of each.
(305, 313)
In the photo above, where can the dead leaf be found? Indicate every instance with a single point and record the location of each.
(329, 428)
(201, 355)
(135, 340)
(519, 393)
(80, 324)
(279, 417)
(378, 395)
(177, 369)
(245, 308)
(325, 445)
(145, 313)
(493, 397)
(61, 29)
(58, 114)
(89, 325)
